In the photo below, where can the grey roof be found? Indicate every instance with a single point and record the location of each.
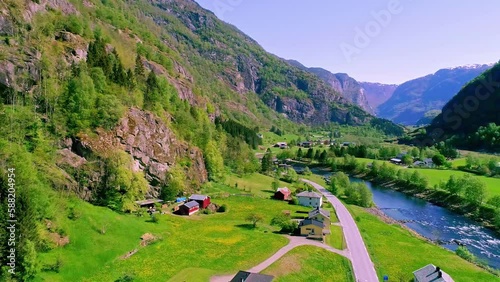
(251, 277)
(192, 204)
(319, 210)
(309, 194)
(313, 222)
(197, 197)
(148, 202)
(428, 273)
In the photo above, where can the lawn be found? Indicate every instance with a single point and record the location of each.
(308, 263)
(435, 176)
(397, 253)
(336, 238)
(209, 244)
(257, 184)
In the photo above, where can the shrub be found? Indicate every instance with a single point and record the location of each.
(294, 201)
(464, 253)
(222, 208)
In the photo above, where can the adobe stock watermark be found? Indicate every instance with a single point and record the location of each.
(455, 116)
(11, 221)
(221, 7)
(363, 36)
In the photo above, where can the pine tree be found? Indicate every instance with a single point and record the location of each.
(139, 67)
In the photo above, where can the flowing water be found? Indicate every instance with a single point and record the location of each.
(435, 223)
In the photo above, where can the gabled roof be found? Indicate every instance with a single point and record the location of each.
(319, 210)
(251, 277)
(429, 273)
(306, 222)
(192, 204)
(197, 197)
(284, 190)
(309, 194)
(148, 202)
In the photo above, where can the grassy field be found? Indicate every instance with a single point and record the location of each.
(435, 176)
(336, 238)
(397, 253)
(190, 247)
(257, 184)
(308, 263)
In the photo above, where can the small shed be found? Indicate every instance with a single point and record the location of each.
(202, 200)
(148, 203)
(283, 194)
(188, 208)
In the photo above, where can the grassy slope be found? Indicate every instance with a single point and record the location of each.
(308, 263)
(435, 176)
(336, 238)
(397, 253)
(209, 243)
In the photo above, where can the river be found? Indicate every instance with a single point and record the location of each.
(434, 222)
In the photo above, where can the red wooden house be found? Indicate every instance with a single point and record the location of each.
(188, 208)
(283, 194)
(202, 200)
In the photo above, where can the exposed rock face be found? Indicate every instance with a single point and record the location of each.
(378, 93)
(153, 147)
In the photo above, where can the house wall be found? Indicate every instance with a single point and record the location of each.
(310, 202)
(311, 230)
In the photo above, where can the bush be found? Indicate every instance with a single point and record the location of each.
(206, 211)
(464, 253)
(294, 201)
(222, 208)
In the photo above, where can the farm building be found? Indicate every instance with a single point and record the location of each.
(189, 208)
(148, 203)
(202, 200)
(245, 276)
(431, 273)
(310, 199)
(283, 194)
(312, 228)
(320, 214)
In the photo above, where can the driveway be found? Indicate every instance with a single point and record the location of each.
(362, 265)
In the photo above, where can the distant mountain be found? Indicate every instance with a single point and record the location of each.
(412, 99)
(378, 93)
(343, 83)
(474, 106)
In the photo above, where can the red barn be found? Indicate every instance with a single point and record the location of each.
(283, 194)
(202, 200)
(188, 208)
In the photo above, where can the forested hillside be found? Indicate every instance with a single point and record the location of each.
(471, 118)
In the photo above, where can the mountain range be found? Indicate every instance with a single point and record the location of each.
(366, 95)
(413, 99)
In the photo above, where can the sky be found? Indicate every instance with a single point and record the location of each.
(386, 41)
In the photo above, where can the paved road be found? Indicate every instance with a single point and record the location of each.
(295, 241)
(362, 265)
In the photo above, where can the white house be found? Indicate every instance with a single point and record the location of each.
(310, 199)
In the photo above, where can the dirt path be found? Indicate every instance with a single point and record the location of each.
(295, 241)
(362, 265)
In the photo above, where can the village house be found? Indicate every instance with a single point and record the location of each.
(312, 228)
(320, 214)
(283, 194)
(245, 276)
(188, 208)
(425, 163)
(431, 273)
(281, 145)
(306, 144)
(148, 203)
(310, 199)
(202, 200)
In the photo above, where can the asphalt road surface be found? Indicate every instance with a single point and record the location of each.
(363, 268)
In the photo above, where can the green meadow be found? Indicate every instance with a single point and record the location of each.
(396, 252)
(195, 247)
(309, 263)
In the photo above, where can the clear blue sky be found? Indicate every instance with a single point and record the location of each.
(419, 38)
